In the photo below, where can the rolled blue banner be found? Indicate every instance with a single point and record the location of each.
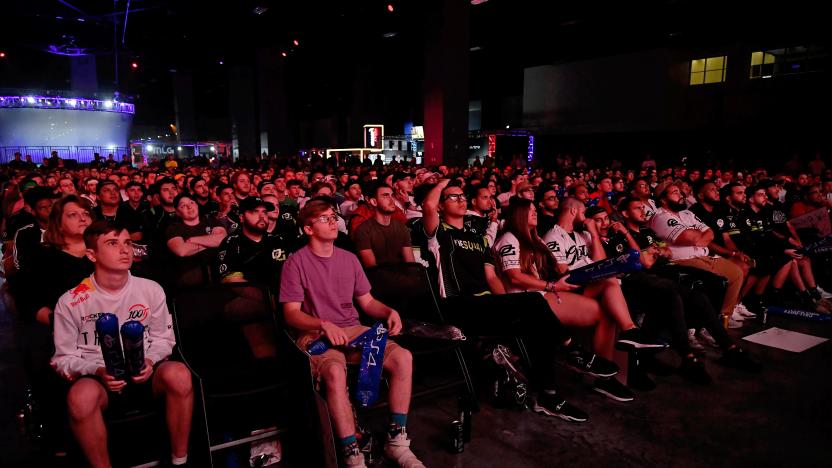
(107, 329)
(819, 247)
(372, 343)
(132, 339)
(628, 262)
(372, 361)
(804, 314)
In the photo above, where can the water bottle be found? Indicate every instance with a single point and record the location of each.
(132, 339)
(107, 328)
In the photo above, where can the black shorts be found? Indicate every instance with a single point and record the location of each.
(134, 397)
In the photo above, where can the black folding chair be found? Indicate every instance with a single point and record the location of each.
(246, 377)
(406, 287)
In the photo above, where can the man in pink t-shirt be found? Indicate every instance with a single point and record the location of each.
(318, 285)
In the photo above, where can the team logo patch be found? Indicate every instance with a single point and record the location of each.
(207, 229)
(619, 248)
(553, 246)
(672, 222)
(223, 268)
(720, 222)
(286, 216)
(748, 222)
(221, 255)
(507, 250)
(278, 255)
(697, 218)
(138, 312)
(650, 239)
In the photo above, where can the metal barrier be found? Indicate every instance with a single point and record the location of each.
(81, 154)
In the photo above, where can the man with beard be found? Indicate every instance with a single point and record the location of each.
(710, 211)
(241, 184)
(109, 199)
(689, 238)
(133, 211)
(353, 196)
(159, 218)
(252, 255)
(202, 195)
(547, 204)
(282, 227)
(383, 239)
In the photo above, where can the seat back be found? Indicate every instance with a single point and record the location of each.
(225, 328)
(406, 287)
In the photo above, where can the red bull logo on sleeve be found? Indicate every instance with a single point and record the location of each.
(81, 292)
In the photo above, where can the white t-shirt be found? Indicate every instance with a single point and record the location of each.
(77, 351)
(669, 226)
(569, 249)
(507, 252)
(649, 209)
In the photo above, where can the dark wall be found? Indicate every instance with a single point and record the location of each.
(647, 93)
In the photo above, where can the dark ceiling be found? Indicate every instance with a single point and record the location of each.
(339, 41)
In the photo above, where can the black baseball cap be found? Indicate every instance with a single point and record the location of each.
(35, 194)
(252, 203)
(401, 176)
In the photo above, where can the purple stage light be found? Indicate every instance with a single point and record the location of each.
(51, 102)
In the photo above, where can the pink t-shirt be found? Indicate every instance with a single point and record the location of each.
(325, 285)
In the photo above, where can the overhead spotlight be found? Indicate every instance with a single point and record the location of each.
(108, 104)
(389, 35)
(30, 100)
(135, 65)
(284, 54)
(221, 62)
(213, 149)
(81, 20)
(150, 147)
(260, 10)
(295, 42)
(179, 148)
(71, 102)
(390, 7)
(3, 54)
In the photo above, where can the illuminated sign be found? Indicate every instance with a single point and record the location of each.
(373, 136)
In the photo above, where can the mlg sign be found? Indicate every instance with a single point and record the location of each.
(373, 136)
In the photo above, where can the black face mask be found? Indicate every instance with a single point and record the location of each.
(677, 206)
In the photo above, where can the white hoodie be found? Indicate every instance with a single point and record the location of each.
(77, 351)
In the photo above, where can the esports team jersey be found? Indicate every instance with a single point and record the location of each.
(77, 351)
(715, 220)
(507, 252)
(259, 262)
(569, 248)
(461, 256)
(668, 226)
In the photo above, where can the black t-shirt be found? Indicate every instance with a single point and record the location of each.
(99, 215)
(463, 255)
(156, 223)
(55, 273)
(132, 219)
(615, 245)
(252, 261)
(27, 244)
(189, 270)
(545, 223)
(713, 219)
(209, 208)
(778, 218)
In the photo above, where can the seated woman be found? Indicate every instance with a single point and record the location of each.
(527, 265)
(63, 262)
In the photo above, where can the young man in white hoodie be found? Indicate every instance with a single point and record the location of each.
(111, 288)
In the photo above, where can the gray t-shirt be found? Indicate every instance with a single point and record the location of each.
(325, 286)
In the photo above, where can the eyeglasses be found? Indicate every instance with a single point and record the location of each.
(325, 219)
(456, 197)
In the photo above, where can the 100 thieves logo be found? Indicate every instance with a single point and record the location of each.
(138, 312)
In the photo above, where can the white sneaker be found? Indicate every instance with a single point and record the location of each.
(824, 294)
(737, 316)
(693, 343)
(743, 311)
(398, 450)
(705, 336)
(734, 323)
(355, 459)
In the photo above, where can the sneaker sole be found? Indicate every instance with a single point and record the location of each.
(624, 345)
(588, 372)
(565, 417)
(612, 396)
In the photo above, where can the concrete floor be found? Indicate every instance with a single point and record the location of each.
(780, 417)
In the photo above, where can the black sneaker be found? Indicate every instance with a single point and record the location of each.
(631, 339)
(553, 405)
(613, 389)
(586, 362)
(738, 359)
(693, 370)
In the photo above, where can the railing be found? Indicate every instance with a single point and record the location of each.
(81, 154)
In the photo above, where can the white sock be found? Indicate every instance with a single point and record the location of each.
(175, 461)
